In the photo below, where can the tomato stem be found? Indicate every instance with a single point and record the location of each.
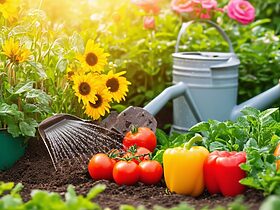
(133, 129)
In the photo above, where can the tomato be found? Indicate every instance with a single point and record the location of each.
(141, 137)
(276, 154)
(101, 167)
(142, 152)
(126, 172)
(150, 171)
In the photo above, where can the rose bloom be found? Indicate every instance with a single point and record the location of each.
(182, 6)
(149, 22)
(241, 11)
(206, 4)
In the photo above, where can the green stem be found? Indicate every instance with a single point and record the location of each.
(133, 129)
(189, 144)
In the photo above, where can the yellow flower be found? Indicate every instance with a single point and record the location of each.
(84, 87)
(15, 52)
(94, 58)
(117, 85)
(9, 9)
(98, 107)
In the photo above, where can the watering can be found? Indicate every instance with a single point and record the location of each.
(206, 86)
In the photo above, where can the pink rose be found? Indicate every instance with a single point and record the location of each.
(206, 4)
(181, 6)
(241, 11)
(149, 22)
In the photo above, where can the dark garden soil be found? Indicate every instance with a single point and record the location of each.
(35, 171)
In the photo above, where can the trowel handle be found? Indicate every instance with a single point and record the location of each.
(219, 29)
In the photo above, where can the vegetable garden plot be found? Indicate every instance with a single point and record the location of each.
(35, 171)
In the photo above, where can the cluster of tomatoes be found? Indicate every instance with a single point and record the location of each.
(130, 165)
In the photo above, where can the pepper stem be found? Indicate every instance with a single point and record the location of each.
(194, 139)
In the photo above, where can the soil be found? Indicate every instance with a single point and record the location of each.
(35, 171)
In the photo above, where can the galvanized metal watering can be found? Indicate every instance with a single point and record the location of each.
(206, 86)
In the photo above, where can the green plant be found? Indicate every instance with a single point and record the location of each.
(48, 200)
(255, 132)
(22, 105)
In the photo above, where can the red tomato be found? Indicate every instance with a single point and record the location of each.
(142, 152)
(126, 172)
(101, 167)
(150, 171)
(141, 137)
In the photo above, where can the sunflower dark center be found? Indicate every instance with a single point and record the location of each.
(84, 88)
(91, 58)
(98, 102)
(113, 84)
(2, 1)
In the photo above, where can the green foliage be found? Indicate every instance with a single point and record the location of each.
(21, 107)
(255, 132)
(48, 200)
(272, 202)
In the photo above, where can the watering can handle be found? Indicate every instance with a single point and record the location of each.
(219, 29)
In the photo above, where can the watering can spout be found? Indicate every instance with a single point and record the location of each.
(261, 101)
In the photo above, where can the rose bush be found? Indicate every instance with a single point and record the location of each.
(239, 10)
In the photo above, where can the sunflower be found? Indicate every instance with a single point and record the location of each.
(9, 9)
(116, 85)
(98, 107)
(94, 58)
(84, 87)
(15, 52)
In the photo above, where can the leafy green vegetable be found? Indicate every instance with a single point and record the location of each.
(271, 203)
(48, 200)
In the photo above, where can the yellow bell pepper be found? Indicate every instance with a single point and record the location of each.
(183, 168)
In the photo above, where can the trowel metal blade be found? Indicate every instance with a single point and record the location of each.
(136, 116)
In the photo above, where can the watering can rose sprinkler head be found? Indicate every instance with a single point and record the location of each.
(68, 137)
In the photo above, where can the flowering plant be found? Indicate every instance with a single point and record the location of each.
(239, 10)
(23, 102)
(22, 105)
(92, 85)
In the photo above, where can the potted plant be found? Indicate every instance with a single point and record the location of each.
(22, 103)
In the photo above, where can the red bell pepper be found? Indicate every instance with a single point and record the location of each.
(222, 172)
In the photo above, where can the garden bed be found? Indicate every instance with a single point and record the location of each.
(35, 171)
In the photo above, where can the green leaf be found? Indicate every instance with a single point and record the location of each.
(159, 156)
(250, 111)
(250, 182)
(6, 187)
(162, 138)
(70, 195)
(62, 64)
(24, 87)
(14, 129)
(96, 190)
(272, 202)
(17, 189)
(200, 127)
(28, 128)
(119, 107)
(217, 146)
(267, 113)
